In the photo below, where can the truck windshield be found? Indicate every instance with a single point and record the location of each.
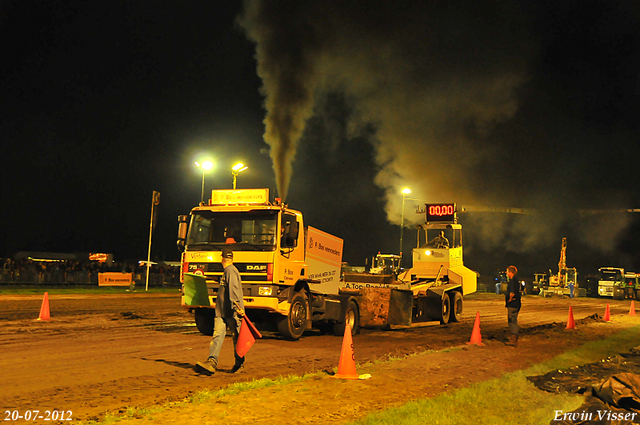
(613, 275)
(215, 230)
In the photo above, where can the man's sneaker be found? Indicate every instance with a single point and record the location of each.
(209, 366)
(237, 367)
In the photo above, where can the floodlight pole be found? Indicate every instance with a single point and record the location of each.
(235, 170)
(155, 200)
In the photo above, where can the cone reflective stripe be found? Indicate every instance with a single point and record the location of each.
(571, 324)
(607, 314)
(247, 337)
(476, 336)
(347, 365)
(632, 309)
(44, 309)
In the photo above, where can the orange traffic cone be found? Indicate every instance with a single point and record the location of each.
(571, 324)
(476, 337)
(44, 309)
(247, 336)
(632, 309)
(607, 314)
(347, 365)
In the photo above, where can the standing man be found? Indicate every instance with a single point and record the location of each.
(512, 301)
(229, 312)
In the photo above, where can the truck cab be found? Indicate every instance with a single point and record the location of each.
(610, 282)
(289, 274)
(386, 264)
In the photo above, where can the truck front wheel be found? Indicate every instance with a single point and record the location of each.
(292, 326)
(618, 294)
(204, 320)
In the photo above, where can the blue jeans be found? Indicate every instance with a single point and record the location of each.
(220, 331)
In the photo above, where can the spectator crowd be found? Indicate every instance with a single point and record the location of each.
(28, 271)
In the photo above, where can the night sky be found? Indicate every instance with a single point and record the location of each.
(334, 106)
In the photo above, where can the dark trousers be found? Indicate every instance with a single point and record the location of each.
(512, 319)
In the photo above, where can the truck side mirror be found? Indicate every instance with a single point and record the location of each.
(182, 231)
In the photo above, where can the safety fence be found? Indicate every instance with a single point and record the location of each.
(29, 277)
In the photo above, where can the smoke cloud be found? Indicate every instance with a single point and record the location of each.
(421, 83)
(463, 102)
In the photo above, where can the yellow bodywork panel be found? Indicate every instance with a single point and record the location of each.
(465, 277)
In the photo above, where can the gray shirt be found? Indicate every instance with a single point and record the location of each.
(230, 290)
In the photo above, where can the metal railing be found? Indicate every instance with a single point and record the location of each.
(30, 277)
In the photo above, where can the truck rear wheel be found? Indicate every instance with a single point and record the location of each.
(292, 326)
(439, 308)
(456, 306)
(204, 320)
(352, 317)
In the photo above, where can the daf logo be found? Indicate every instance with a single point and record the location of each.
(257, 268)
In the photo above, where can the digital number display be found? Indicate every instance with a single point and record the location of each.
(441, 212)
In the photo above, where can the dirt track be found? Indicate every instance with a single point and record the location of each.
(107, 352)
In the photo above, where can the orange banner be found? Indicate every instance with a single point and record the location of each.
(115, 279)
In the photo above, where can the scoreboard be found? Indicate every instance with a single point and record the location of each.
(441, 213)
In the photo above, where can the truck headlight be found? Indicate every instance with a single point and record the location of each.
(265, 290)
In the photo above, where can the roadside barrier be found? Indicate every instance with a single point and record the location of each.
(78, 278)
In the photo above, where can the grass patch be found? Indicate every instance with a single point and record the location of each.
(203, 396)
(510, 399)
(590, 352)
(506, 400)
(69, 290)
(233, 389)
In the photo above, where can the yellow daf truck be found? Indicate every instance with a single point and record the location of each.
(290, 274)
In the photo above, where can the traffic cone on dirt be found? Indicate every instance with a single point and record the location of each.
(247, 336)
(44, 309)
(607, 314)
(347, 364)
(476, 337)
(571, 324)
(632, 309)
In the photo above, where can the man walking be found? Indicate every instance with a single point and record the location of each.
(512, 302)
(229, 312)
